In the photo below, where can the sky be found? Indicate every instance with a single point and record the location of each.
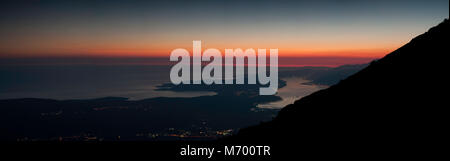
(110, 28)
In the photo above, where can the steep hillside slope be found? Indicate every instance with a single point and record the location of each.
(393, 106)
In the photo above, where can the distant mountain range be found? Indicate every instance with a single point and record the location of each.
(322, 75)
(393, 108)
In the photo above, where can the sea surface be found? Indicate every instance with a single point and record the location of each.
(86, 82)
(295, 89)
(95, 81)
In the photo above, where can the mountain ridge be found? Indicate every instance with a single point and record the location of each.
(387, 108)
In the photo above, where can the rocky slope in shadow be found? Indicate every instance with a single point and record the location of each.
(392, 107)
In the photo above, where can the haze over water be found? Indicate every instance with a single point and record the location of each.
(131, 81)
(86, 82)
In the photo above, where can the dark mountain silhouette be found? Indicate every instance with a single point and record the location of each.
(393, 107)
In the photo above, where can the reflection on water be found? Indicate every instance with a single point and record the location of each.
(86, 82)
(294, 90)
(134, 82)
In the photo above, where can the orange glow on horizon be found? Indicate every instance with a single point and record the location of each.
(367, 53)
